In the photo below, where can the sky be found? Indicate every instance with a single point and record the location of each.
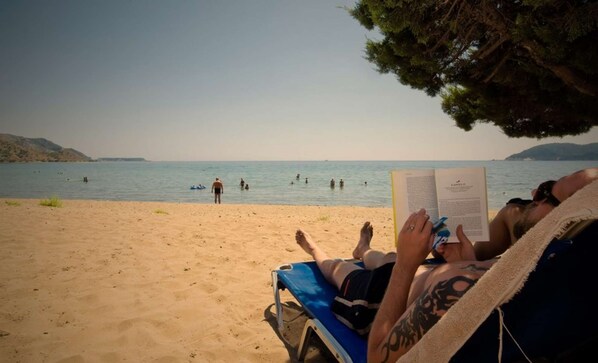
(219, 80)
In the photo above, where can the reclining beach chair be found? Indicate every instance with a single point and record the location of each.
(309, 287)
(535, 304)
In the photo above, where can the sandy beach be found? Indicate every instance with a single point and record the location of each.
(102, 281)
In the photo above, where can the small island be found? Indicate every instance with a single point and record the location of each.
(121, 159)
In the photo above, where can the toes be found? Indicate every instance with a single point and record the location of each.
(369, 228)
(300, 235)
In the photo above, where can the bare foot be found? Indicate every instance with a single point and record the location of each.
(306, 242)
(365, 236)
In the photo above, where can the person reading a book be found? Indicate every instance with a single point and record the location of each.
(419, 294)
(410, 307)
(364, 287)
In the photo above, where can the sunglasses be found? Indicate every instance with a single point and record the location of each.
(544, 192)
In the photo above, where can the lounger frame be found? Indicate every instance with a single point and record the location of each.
(338, 338)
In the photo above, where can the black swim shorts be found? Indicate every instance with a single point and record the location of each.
(360, 295)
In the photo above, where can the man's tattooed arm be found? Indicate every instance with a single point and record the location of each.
(426, 311)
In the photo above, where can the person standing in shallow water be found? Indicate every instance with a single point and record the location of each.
(217, 189)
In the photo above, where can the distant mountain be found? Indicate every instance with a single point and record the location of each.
(21, 149)
(558, 151)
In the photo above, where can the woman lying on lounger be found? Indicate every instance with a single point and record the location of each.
(419, 295)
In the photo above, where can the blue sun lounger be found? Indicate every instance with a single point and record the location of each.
(551, 316)
(307, 284)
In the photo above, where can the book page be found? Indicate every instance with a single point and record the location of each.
(412, 190)
(462, 197)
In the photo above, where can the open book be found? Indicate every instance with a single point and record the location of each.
(456, 193)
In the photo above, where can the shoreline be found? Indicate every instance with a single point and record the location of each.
(35, 201)
(139, 281)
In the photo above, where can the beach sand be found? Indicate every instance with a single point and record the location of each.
(103, 281)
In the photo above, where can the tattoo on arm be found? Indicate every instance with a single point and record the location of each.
(425, 312)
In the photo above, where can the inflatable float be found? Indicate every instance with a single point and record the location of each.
(198, 187)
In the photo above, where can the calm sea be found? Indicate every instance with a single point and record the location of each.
(270, 182)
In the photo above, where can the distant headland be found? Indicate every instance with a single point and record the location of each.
(22, 149)
(558, 151)
(19, 149)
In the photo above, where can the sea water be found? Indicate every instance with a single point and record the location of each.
(366, 183)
